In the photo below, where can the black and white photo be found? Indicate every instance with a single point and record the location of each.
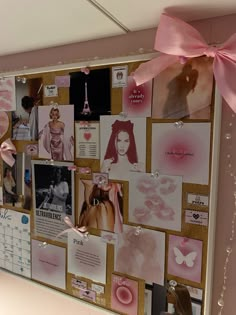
(53, 186)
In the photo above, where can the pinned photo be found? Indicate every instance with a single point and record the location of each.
(53, 185)
(56, 137)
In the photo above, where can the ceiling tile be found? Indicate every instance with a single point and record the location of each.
(40, 24)
(137, 14)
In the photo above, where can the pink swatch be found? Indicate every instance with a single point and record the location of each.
(62, 81)
(137, 100)
(185, 258)
(124, 295)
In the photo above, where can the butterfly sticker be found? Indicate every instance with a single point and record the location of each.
(188, 259)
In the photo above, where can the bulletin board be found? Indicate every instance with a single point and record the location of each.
(132, 165)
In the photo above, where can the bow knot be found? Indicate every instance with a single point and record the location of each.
(7, 148)
(176, 38)
(211, 51)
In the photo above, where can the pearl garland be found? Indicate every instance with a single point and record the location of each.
(221, 302)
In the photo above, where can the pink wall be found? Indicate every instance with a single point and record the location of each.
(214, 30)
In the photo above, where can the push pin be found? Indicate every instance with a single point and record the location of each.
(43, 245)
(138, 230)
(123, 115)
(172, 285)
(178, 124)
(86, 236)
(155, 174)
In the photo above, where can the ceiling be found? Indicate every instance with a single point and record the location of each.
(31, 25)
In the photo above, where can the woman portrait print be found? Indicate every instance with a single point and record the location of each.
(121, 152)
(58, 192)
(53, 137)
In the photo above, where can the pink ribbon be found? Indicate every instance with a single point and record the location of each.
(177, 39)
(7, 148)
(82, 231)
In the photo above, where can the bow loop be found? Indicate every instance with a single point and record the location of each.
(178, 40)
(7, 148)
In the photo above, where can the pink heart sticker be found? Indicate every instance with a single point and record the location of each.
(87, 135)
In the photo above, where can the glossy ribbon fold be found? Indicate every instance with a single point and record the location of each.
(177, 39)
(82, 231)
(7, 148)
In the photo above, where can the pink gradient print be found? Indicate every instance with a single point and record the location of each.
(7, 94)
(4, 124)
(62, 81)
(185, 258)
(158, 201)
(183, 151)
(133, 253)
(137, 100)
(124, 295)
(48, 264)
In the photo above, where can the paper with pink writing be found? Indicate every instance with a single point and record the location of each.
(185, 258)
(49, 264)
(124, 295)
(7, 94)
(157, 202)
(142, 255)
(137, 100)
(182, 151)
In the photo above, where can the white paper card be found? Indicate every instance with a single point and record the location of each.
(78, 284)
(119, 76)
(196, 217)
(87, 140)
(99, 289)
(198, 200)
(195, 293)
(87, 258)
(50, 90)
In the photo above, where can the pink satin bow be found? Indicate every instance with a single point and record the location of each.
(7, 148)
(175, 39)
(82, 231)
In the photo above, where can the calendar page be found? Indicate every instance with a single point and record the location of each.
(15, 247)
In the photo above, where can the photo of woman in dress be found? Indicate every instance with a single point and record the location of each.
(55, 142)
(184, 90)
(121, 154)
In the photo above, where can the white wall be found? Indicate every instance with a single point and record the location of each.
(24, 297)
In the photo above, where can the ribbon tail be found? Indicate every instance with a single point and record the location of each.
(150, 69)
(64, 232)
(224, 71)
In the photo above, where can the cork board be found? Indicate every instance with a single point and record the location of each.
(192, 198)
